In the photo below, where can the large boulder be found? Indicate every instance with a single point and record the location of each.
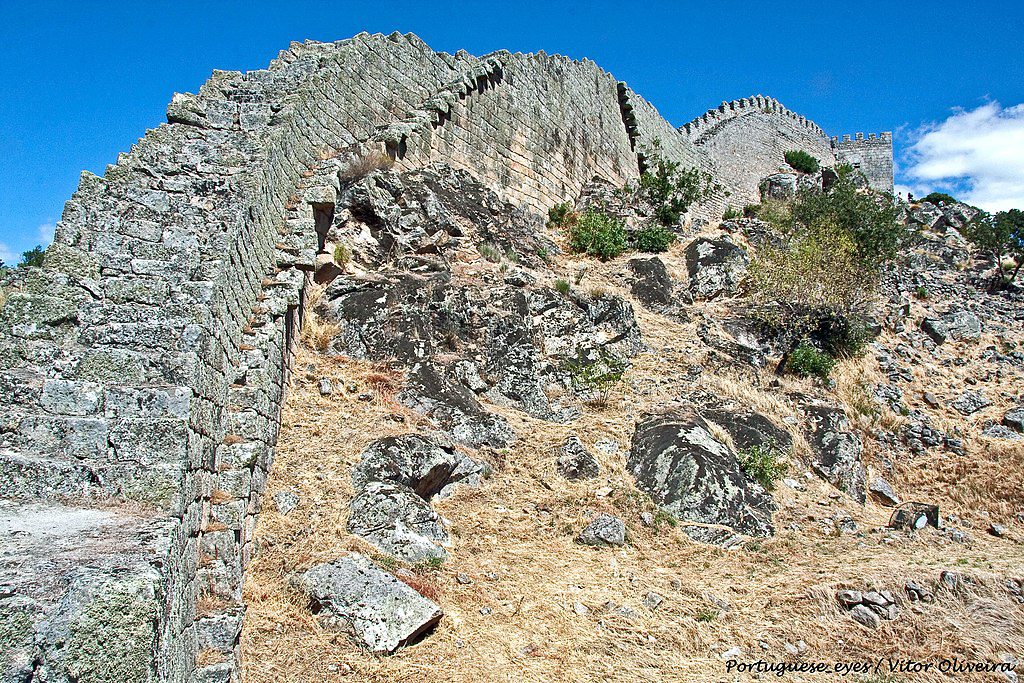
(689, 473)
(381, 612)
(779, 186)
(652, 284)
(394, 480)
(836, 449)
(954, 325)
(575, 461)
(715, 267)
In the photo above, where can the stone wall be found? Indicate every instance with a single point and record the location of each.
(872, 155)
(143, 367)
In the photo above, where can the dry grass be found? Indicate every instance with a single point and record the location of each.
(366, 162)
(513, 537)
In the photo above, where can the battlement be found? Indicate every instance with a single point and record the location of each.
(871, 155)
(742, 107)
(885, 137)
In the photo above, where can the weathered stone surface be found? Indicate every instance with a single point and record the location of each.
(604, 529)
(381, 612)
(883, 492)
(955, 326)
(286, 501)
(715, 266)
(779, 186)
(1014, 418)
(397, 521)
(652, 284)
(970, 402)
(689, 473)
(576, 461)
(428, 466)
(864, 616)
(836, 450)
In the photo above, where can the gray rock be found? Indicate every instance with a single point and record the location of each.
(970, 402)
(1014, 419)
(930, 399)
(517, 277)
(325, 387)
(690, 474)
(652, 600)
(652, 285)
(779, 186)
(883, 492)
(398, 521)
(285, 501)
(603, 530)
(849, 598)
(864, 616)
(715, 267)
(997, 530)
(576, 462)
(379, 610)
(918, 593)
(836, 450)
(1002, 432)
(429, 466)
(955, 326)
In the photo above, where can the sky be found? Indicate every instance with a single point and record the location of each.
(83, 80)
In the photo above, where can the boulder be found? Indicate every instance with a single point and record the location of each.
(883, 492)
(286, 501)
(970, 402)
(746, 427)
(398, 522)
(427, 466)
(836, 449)
(928, 216)
(651, 285)
(604, 529)
(865, 616)
(779, 186)
(381, 612)
(1014, 419)
(689, 473)
(715, 267)
(955, 326)
(575, 461)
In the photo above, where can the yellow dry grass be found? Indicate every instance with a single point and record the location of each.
(535, 608)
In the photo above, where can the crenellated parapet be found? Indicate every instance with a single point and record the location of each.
(700, 127)
(870, 154)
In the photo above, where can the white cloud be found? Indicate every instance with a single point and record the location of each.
(976, 155)
(7, 256)
(46, 234)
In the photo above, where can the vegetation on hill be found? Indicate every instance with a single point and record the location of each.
(1000, 236)
(670, 187)
(939, 198)
(802, 161)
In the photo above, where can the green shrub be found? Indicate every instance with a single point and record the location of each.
(489, 252)
(731, 214)
(1001, 236)
(921, 292)
(671, 188)
(562, 286)
(764, 463)
(597, 376)
(802, 161)
(939, 198)
(653, 239)
(598, 234)
(342, 254)
(32, 257)
(807, 361)
(561, 215)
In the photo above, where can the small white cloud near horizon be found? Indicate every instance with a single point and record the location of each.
(8, 257)
(45, 232)
(977, 155)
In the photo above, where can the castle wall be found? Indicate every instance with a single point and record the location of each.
(872, 155)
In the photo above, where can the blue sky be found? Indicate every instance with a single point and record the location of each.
(83, 80)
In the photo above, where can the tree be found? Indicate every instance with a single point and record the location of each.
(32, 257)
(671, 188)
(1001, 236)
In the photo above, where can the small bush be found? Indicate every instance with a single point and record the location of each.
(562, 286)
(32, 257)
(671, 188)
(765, 464)
(489, 252)
(921, 292)
(364, 164)
(802, 161)
(562, 216)
(807, 361)
(598, 376)
(653, 239)
(543, 255)
(598, 234)
(731, 214)
(706, 615)
(342, 254)
(939, 198)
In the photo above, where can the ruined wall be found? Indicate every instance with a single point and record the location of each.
(871, 155)
(143, 368)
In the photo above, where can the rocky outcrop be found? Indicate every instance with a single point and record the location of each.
(836, 449)
(604, 529)
(355, 595)
(576, 461)
(395, 480)
(694, 476)
(954, 325)
(715, 267)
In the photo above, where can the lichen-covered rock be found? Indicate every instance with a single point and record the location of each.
(381, 612)
(836, 449)
(955, 326)
(604, 529)
(715, 267)
(576, 461)
(399, 522)
(694, 476)
(428, 466)
(779, 186)
(652, 284)
(970, 402)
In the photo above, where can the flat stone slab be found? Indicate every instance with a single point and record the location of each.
(379, 610)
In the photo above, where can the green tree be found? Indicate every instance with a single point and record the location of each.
(32, 257)
(1001, 236)
(670, 187)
